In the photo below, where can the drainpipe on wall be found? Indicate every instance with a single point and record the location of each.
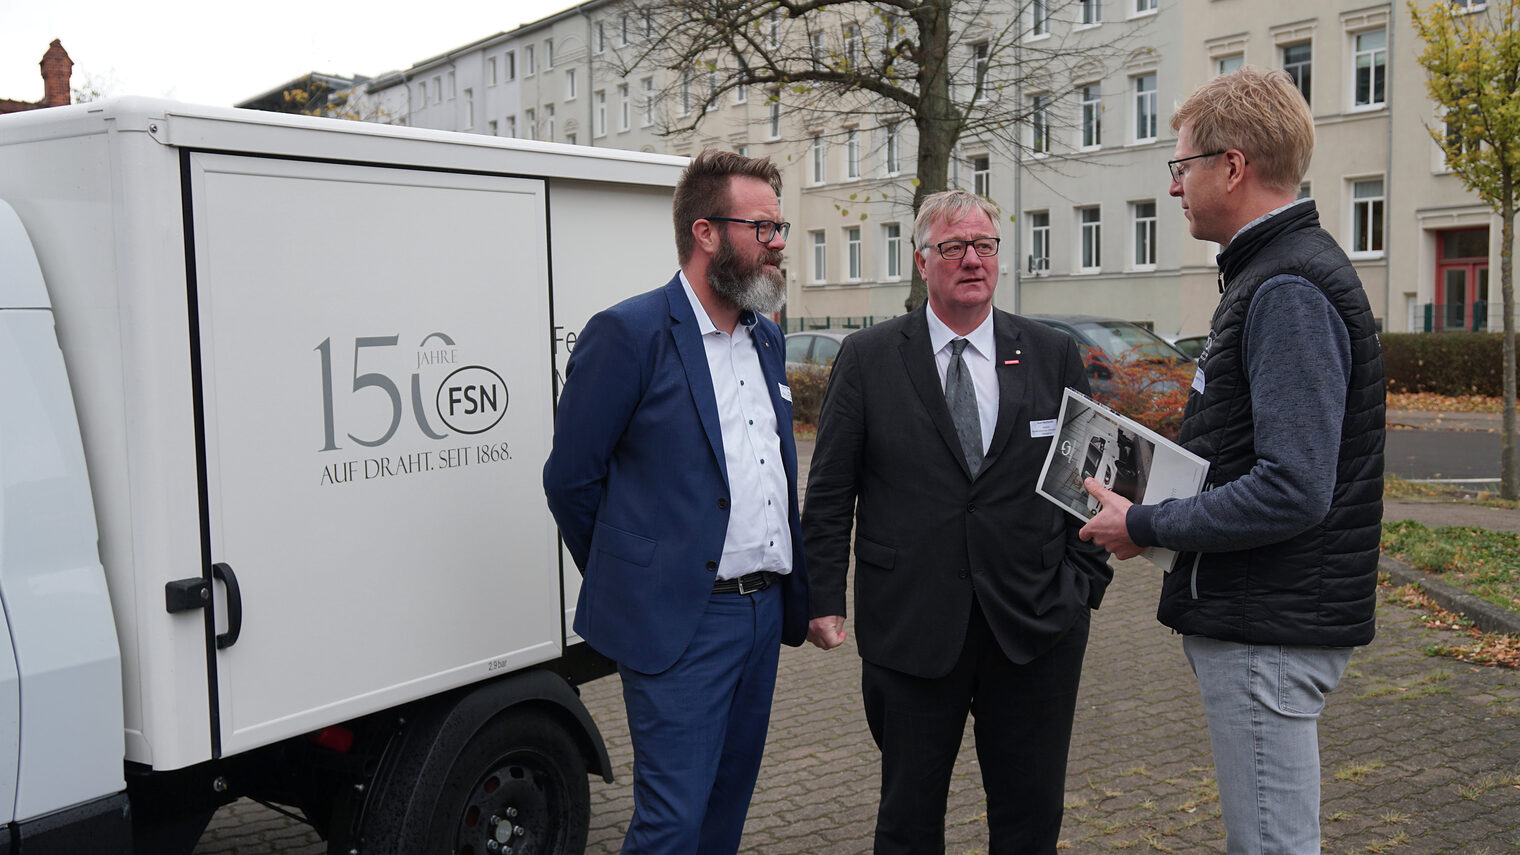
(1388, 190)
(1018, 180)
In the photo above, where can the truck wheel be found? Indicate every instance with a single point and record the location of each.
(517, 786)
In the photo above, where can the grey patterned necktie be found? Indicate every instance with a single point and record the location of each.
(960, 395)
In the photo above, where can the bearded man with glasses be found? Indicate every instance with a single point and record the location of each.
(673, 478)
(972, 593)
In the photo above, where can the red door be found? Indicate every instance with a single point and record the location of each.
(1461, 278)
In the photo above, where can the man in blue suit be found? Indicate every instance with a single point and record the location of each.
(674, 482)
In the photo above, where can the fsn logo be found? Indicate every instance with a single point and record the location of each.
(472, 399)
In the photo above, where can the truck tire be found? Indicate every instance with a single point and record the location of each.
(519, 781)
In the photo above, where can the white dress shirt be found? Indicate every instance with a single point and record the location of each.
(980, 356)
(759, 535)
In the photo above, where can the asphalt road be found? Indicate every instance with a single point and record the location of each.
(1421, 454)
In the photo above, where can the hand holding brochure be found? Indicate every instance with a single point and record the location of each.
(1125, 456)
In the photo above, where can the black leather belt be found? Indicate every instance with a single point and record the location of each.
(745, 584)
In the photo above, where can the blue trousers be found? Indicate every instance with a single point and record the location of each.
(699, 730)
(1263, 703)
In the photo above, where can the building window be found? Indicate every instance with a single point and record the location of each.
(530, 124)
(1092, 12)
(422, 94)
(1092, 240)
(686, 92)
(891, 239)
(773, 114)
(774, 25)
(1296, 60)
(1371, 68)
(981, 176)
(512, 127)
(818, 159)
(1367, 216)
(815, 47)
(601, 112)
(548, 54)
(601, 37)
(570, 138)
(569, 84)
(852, 152)
(979, 57)
(469, 108)
(490, 71)
(1039, 124)
(530, 65)
(1145, 234)
(623, 29)
(511, 63)
(1227, 64)
(437, 90)
(1092, 116)
(625, 109)
(492, 128)
(1039, 18)
(647, 84)
(820, 256)
(1145, 108)
(549, 122)
(453, 86)
(741, 84)
(1144, 7)
(851, 46)
(852, 252)
(1039, 241)
(894, 148)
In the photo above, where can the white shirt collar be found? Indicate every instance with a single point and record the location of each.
(980, 339)
(704, 322)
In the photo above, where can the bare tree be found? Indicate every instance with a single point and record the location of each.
(954, 69)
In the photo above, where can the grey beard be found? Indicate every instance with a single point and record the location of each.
(762, 292)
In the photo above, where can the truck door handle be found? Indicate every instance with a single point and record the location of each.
(224, 572)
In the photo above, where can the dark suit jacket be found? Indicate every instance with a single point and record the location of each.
(637, 479)
(927, 533)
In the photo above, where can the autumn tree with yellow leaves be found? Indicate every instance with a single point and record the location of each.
(1471, 57)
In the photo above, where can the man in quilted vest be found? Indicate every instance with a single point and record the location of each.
(1276, 578)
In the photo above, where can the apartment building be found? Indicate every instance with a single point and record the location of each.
(1088, 226)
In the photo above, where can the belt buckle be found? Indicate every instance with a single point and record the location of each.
(761, 583)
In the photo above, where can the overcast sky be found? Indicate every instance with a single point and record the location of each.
(224, 51)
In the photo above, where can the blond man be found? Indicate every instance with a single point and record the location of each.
(1276, 581)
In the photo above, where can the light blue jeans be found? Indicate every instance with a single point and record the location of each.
(1263, 704)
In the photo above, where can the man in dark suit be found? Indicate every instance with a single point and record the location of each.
(972, 592)
(673, 478)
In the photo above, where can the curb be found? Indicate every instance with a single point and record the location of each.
(1485, 615)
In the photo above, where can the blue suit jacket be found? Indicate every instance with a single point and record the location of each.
(637, 479)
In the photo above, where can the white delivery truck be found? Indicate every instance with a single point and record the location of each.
(275, 397)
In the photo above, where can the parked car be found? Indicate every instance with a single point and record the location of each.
(816, 347)
(1192, 345)
(1104, 340)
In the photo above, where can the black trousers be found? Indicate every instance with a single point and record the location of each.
(1023, 716)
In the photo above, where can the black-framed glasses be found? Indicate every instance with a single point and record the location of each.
(951, 250)
(1177, 174)
(765, 230)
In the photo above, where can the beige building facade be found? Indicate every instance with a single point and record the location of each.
(1088, 224)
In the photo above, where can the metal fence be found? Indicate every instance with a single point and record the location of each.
(826, 322)
(1453, 317)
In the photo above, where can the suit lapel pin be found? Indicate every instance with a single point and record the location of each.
(1013, 361)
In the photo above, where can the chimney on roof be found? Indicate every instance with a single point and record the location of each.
(57, 69)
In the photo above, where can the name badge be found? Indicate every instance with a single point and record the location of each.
(1043, 427)
(786, 391)
(1198, 380)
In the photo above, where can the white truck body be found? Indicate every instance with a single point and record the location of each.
(319, 353)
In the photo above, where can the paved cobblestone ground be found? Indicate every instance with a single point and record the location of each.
(1421, 755)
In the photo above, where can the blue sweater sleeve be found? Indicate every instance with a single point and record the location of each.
(1297, 356)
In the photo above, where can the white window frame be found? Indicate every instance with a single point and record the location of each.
(1307, 66)
(453, 86)
(1089, 14)
(512, 127)
(818, 273)
(548, 54)
(1039, 19)
(625, 108)
(852, 153)
(493, 128)
(741, 89)
(1143, 8)
(437, 89)
(1374, 55)
(981, 58)
(1039, 124)
(530, 62)
(570, 92)
(1142, 235)
(530, 123)
(548, 123)
(491, 71)
(469, 108)
(891, 241)
(685, 91)
(511, 66)
(893, 150)
(623, 30)
(600, 99)
(773, 115)
(1039, 242)
(601, 37)
(818, 161)
(1228, 62)
(1090, 97)
(1145, 106)
(647, 84)
(981, 175)
(854, 249)
(1365, 240)
(851, 41)
(1090, 239)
